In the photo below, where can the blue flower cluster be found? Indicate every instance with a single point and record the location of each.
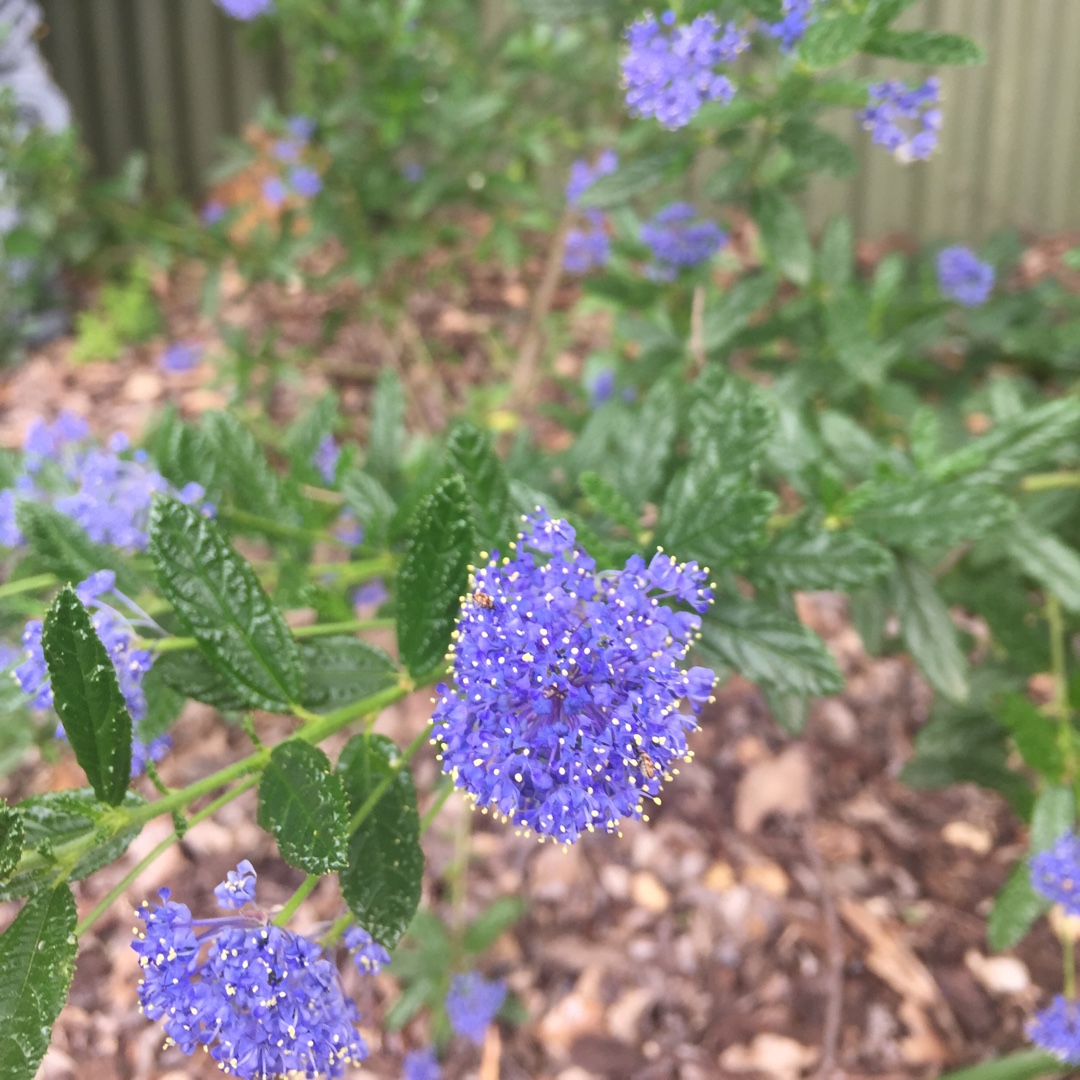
(181, 356)
(117, 632)
(564, 715)
(1057, 1030)
(246, 10)
(421, 1065)
(669, 70)
(797, 17)
(588, 248)
(472, 1004)
(963, 276)
(679, 240)
(326, 457)
(905, 120)
(105, 492)
(367, 954)
(261, 999)
(301, 179)
(1055, 874)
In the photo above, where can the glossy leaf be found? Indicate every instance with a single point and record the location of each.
(188, 672)
(339, 670)
(12, 836)
(608, 501)
(930, 47)
(1047, 560)
(382, 882)
(216, 594)
(370, 502)
(302, 805)
(797, 558)
(242, 467)
(470, 452)
(87, 698)
(1016, 907)
(386, 435)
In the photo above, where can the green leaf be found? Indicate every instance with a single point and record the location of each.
(11, 838)
(784, 234)
(770, 648)
(1034, 733)
(434, 575)
(340, 670)
(184, 454)
(790, 711)
(1054, 815)
(188, 672)
(830, 41)
(386, 436)
(882, 12)
(382, 882)
(799, 559)
(927, 629)
(608, 501)
(818, 150)
(731, 422)
(219, 599)
(630, 180)
(647, 443)
(494, 920)
(252, 485)
(302, 804)
(306, 433)
(470, 452)
(1024, 1065)
(87, 698)
(925, 436)
(724, 319)
(836, 259)
(371, 504)
(37, 962)
(930, 47)
(163, 706)
(59, 818)
(1046, 559)
(1015, 908)
(63, 548)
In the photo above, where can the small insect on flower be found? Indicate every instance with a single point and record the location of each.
(483, 599)
(646, 763)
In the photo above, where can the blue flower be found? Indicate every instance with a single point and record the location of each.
(348, 530)
(472, 1004)
(287, 150)
(238, 888)
(274, 191)
(245, 10)
(325, 458)
(1057, 1030)
(264, 1000)
(213, 212)
(680, 240)
(305, 181)
(601, 387)
(905, 120)
(421, 1065)
(371, 594)
(564, 713)
(367, 954)
(1055, 874)
(180, 356)
(9, 528)
(669, 70)
(797, 17)
(963, 277)
(301, 127)
(587, 249)
(583, 175)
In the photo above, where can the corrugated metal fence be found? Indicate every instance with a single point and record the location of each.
(173, 76)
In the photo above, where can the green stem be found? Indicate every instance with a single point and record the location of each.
(445, 791)
(269, 527)
(297, 898)
(27, 584)
(1059, 704)
(1050, 481)
(176, 644)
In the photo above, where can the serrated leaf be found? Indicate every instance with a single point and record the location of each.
(63, 548)
(783, 231)
(647, 444)
(1053, 816)
(830, 41)
(1046, 559)
(386, 435)
(799, 559)
(470, 452)
(306, 433)
(302, 805)
(382, 882)
(882, 12)
(1034, 733)
(188, 672)
(1024, 1065)
(608, 501)
(434, 575)
(790, 711)
(87, 697)
(1016, 907)
(731, 422)
(252, 484)
(58, 818)
(216, 594)
(927, 629)
(630, 180)
(732, 311)
(339, 670)
(11, 838)
(37, 962)
(184, 454)
(370, 502)
(770, 648)
(930, 47)
(818, 150)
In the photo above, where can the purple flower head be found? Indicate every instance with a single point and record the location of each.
(669, 70)
(348, 530)
(143, 753)
(1055, 874)
(905, 120)
(583, 175)
(245, 10)
(370, 594)
(587, 249)
(287, 150)
(472, 1004)
(47, 442)
(305, 181)
(238, 888)
(601, 387)
(9, 529)
(301, 128)
(421, 1065)
(797, 17)
(325, 458)
(213, 212)
(1057, 1030)
(262, 999)
(413, 172)
(367, 954)
(180, 356)
(563, 715)
(963, 277)
(274, 191)
(680, 240)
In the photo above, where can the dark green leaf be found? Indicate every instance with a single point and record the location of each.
(831, 40)
(647, 443)
(87, 698)
(1015, 908)
(1046, 559)
(799, 559)
(818, 150)
(869, 611)
(305, 435)
(784, 233)
(184, 454)
(386, 436)
(63, 548)
(340, 670)
(930, 47)
(725, 318)
(470, 452)
(628, 181)
(731, 422)
(925, 436)
(790, 711)
(608, 501)
(302, 804)
(836, 259)
(163, 706)
(252, 485)
(1034, 733)
(434, 575)
(371, 504)
(11, 838)
(188, 672)
(216, 594)
(37, 962)
(1024, 1065)
(382, 882)
(927, 629)
(770, 648)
